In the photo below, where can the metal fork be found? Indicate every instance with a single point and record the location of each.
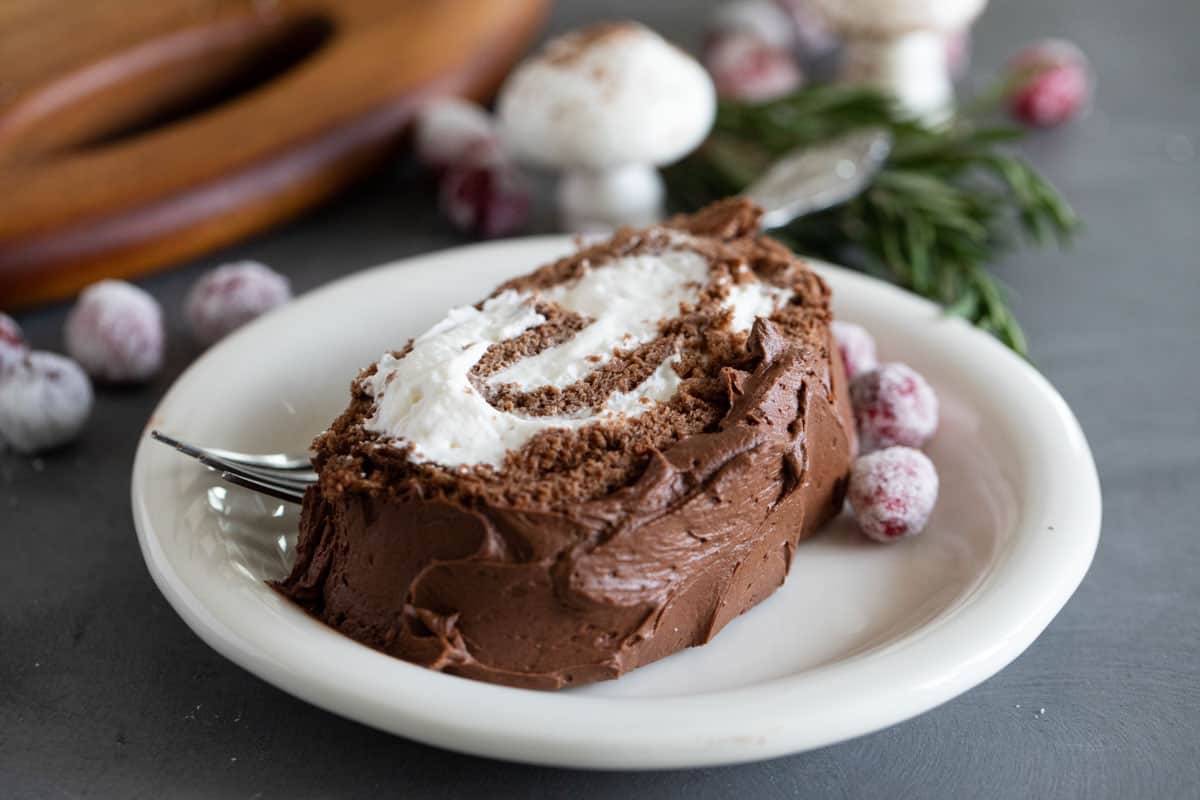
(278, 475)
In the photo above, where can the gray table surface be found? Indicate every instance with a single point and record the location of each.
(104, 691)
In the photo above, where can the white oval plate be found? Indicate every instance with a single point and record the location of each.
(861, 636)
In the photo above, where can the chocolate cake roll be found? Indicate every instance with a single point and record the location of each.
(602, 463)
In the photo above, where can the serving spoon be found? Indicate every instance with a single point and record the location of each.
(816, 177)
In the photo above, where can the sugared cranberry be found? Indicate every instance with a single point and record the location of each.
(12, 342)
(115, 332)
(446, 128)
(45, 399)
(484, 193)
(893, 405)
(857, 348)
(958, 52)
(812, 34)
(892, 492)
(1050, 83)
(763, 20)
(748, 69)
(231, 295)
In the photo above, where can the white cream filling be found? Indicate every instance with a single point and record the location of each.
(426, 398)
(625, 300)
(753, 300)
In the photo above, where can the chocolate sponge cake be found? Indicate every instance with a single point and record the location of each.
(602, 463)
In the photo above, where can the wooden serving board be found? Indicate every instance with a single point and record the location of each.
(133, 135)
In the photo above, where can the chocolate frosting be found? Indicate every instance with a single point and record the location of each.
(518, 589)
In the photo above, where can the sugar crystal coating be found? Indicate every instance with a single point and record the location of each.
(745, 68)
(857, 347)
(1050, 83)
(893, 405)
(45, 400)
(892, 492)
(813, 35)
(764, 20)
(445, 128)
(484, 193)
(231, 295)
(115, 332)
(12, 342)
(958, 52)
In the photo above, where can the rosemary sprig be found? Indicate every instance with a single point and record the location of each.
(948, 201)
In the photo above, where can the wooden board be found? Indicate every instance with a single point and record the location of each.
(134, 135)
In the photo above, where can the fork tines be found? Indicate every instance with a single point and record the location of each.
(281, 483)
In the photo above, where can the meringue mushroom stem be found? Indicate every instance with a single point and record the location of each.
(912, 67)
(604, 199)
(604, 105)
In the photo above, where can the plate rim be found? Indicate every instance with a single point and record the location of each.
(754, 722)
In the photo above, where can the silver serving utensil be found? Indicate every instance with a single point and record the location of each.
(818, 177)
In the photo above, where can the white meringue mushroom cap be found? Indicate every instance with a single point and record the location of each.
(891, 17)
(605, 96)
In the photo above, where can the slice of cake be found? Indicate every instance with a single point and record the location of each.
(602, 463)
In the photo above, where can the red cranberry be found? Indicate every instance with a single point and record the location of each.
(1050, 83)
(748, 69)
(45, 400)
(893, 405)
(892, 492)
(485, 194)
(231, 295)
(857, 348)
(115, 332)
(12, 342)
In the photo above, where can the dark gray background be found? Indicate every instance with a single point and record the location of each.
(105, 692)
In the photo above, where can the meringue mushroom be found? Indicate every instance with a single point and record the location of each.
(899, 45)
(606, 105)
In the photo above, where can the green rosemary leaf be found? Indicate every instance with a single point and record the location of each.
(966, 304)
(948, 201)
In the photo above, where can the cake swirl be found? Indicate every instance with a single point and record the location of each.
(600, 464)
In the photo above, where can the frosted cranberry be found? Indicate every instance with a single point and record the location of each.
(857, 347)
(1050, 83)
(115, 332)
(12, 342)
(485, 194)
(45, 399)
(446, 128)
(958, 52)
(745, 68)
(763, 20)
(808, 26)
(892, 493)
(231, 295)
(893, 405)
